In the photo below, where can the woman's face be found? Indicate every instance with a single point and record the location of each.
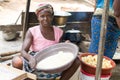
(45, 18)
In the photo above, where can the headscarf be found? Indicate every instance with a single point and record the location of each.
(44, 6)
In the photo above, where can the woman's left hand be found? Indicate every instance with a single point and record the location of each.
(67, 41)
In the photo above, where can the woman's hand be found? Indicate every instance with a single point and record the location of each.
(32, 62)
(118, 21)
(67, 41)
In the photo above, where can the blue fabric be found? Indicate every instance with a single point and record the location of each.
(112, 36)
(100, 4)
(47, 76)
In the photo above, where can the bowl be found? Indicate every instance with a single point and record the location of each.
(54, 49)
(91, 69)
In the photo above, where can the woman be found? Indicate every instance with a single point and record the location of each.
(38, 38)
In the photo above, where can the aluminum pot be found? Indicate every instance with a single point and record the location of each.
(60, 18)
(73, 35)
(9, 35)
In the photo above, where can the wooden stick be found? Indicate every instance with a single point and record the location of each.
(102, 39)
(9, 57)
(9, 53)
(26, 18)
(11, 27)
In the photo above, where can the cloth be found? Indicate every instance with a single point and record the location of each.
(40, 75)
(100, 4)
(112, 35)
(39, 42)
(26, 66)
(41, 7)
(99, 11)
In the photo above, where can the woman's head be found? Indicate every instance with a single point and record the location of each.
(45, 14)
(47, 7)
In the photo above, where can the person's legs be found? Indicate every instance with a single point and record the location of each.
(21, 63)
(112, 36)
(95, 33)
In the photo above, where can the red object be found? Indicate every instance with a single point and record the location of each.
(102, 76)
(91, 69)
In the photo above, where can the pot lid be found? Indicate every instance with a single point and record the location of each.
(73, 31)
(61, 13)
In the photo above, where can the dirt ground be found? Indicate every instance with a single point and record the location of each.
(11, 9)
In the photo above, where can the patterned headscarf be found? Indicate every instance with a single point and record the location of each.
(44, 6)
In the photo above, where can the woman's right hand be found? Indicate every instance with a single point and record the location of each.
(32, 62)
(118, 21)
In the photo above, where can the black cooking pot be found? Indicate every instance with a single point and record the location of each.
(73, 35)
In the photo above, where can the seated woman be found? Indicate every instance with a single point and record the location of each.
(38, 38)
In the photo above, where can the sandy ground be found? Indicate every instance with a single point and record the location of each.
(9, 46)
(10, 11)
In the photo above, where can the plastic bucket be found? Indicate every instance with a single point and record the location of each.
(86, 76)
(91, 69)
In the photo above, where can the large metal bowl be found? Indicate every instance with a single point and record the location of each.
(54, 49)
(60, 18)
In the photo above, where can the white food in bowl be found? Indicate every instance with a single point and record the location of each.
(55, 61)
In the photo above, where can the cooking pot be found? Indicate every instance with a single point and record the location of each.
(9, 35)
(60, 18)
(73, 35)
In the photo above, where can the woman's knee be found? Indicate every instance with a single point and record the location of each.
(17, 62)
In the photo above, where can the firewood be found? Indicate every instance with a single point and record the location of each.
(9, 53)
(9, 57)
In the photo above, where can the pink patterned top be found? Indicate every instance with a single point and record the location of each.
(39, 42)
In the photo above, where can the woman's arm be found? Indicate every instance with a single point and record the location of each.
(26, 45)
(116, 8)
(25, 48)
